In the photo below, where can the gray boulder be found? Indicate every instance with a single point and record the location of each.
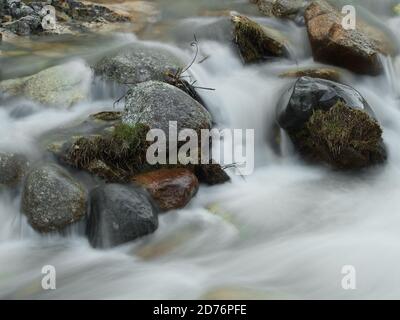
(12, 169)
(52, 199)
(119, 214)
(156, 103)
(136, 63)
(60, 86)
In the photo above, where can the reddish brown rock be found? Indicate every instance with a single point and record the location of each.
(356, 50)
(170, 188)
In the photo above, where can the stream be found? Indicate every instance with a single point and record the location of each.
(283, 232)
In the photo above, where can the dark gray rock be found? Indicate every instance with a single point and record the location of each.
(136, 63)
(52, 199)
(119, 214)
(156, 103)
(12, 169)
(25, 26)
(308, 94)
(331, 123)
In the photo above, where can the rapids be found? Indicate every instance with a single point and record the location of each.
(285, 231)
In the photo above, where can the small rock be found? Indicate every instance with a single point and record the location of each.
(119, 214)
(170, 188)
(52, 199)
(12, 169)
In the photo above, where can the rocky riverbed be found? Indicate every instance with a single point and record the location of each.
(82, 84)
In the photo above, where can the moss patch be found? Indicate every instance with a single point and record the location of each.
(115, 156)
(256, 42)
(342, 137)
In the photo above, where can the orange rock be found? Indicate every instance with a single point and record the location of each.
(170, 188)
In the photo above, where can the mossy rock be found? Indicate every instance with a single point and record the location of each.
(342, 137)
(256, 42)
(114, 156)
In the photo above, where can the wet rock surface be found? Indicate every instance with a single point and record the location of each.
(13, 168)
(170, 188)
(156, 104)
(331, 123)
(52, 199)
(119, 214)
(61, 86)
(256, 42)
(136, 63)
(357, 50)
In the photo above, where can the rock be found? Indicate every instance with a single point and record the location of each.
(52, 199)
(156, 103)
(331, 123)
(307, 94)
(136, 63)
(357, 50)
(24, 26)
(321, 73)
(211, 174)
(13, 168)
(257, 42)
(170, 188)
(289, 9)
(59, 86)
(85, 11)
(111, 155)
(119, 214)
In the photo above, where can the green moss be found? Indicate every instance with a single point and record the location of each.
(343, 137)
(122, 153)
(254, 42)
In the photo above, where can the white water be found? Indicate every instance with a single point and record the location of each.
(284, 232)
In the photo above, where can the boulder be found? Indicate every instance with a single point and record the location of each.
(119, 214)
(331, 123)
(155, 103)
(170, 188)
(13, 168)
(52, 199)
(136, 63)
(356, 50)
(59, 86)
(256, 42)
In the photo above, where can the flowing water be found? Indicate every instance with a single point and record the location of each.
(285, 231)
